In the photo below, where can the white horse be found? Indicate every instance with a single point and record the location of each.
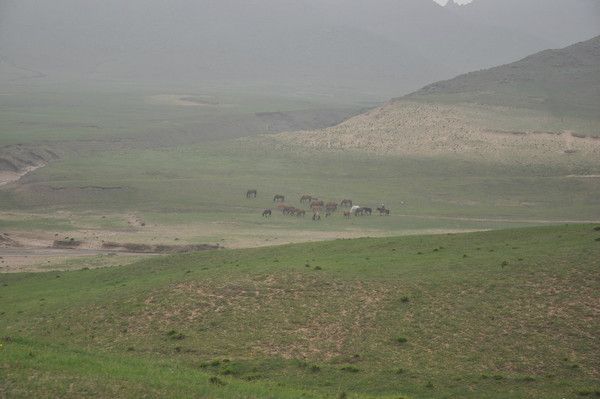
(355, 208)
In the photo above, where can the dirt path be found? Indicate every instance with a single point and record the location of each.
(37, 259)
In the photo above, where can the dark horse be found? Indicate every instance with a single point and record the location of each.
(278, 198)
(251, 194)
(383, 211)
(267, 213)
(367, 211)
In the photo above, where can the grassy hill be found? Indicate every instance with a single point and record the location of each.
(542, 109)
(502, 314)
(564, 82)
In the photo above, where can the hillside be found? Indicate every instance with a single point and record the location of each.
(503, 314)
(539, 110)
(560, 82)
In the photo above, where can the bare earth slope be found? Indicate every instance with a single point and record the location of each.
(419, 129)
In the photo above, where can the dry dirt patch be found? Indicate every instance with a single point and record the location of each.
(285, 315)
(429, 130)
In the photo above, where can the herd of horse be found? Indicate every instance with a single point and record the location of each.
(317, 206)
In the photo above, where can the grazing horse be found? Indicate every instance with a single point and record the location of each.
(316, 216)
(267, 213)
(355, 209)
(347, 214)
(300, 212)
(346, 203)
(306, 198)
(383, 211)
(316, 203)
(288, 210)
(331, 206)
(251, 194)
(367, 211)
(278, 198)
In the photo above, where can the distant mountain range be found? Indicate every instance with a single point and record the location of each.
(383, 47)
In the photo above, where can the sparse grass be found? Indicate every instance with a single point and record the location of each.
(260, 326)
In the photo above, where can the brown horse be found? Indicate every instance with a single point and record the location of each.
(316, 203)
(347, 214)
(331, 207)
(251, 194)
(306, 198)
(278, 198)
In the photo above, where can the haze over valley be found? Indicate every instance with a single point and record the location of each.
(299, 198)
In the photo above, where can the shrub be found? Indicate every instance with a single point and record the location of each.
(314, 368)
(401, 340)
(504, 263)
(342, 395)
(597, 228)
(350, 369)
(174, 335)
(405, 299)
(216, 381)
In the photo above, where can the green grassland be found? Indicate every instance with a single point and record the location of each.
(52, 113)
(499, 314)
(206, 185)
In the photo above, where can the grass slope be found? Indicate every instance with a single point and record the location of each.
(562, 82)
(502, 314)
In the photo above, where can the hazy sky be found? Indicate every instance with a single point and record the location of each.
(443, 2)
